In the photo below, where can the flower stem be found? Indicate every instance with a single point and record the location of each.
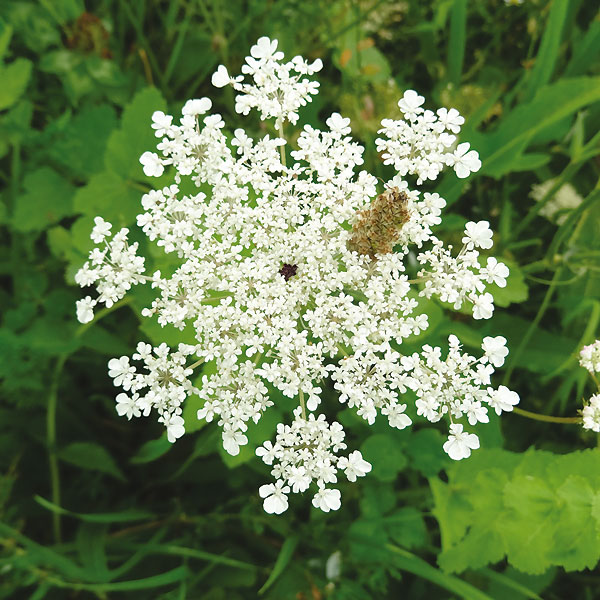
(302, 405)
(281, 148)
(51, 416)
(546, 418)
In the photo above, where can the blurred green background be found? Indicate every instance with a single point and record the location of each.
(92, 506)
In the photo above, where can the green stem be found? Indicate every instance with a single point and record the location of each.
(302, 405)
(281, 148)
(51, 443)
(531, 330)
(51, 416)
(546, 418)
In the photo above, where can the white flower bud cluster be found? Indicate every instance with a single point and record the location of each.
(277, 295)
(306, 452)
(113, 269)
(163, 388)
(422, 143)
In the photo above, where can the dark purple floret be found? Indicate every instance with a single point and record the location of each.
(288, 271)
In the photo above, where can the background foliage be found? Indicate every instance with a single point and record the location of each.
(92, 506)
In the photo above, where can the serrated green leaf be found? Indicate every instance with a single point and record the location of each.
(109, 195)
(80, 145)
(47, 199)
(134, 136)
(91, 456)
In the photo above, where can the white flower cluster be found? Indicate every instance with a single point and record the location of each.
(293, 273)
(589, 357)
(558, 207)
(163, 388)
(422, 143)
(114, 269)
(305, 452)
(278, 89)
(462, 278)
(591, 414)
(458, 386)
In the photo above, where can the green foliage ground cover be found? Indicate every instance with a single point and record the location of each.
(94, 507)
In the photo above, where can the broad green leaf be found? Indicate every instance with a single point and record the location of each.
(47, 199)
(109, 195)
(80, 145)
(135, 135)
(91, 456)
(14, 77)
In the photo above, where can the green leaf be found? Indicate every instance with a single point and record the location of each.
(14, 78)
(135, 136)
(80, 145)
(109, 195)
(548, 53)
(283, 559)
(385, 454)
(515, 291)
(88, 455)
(406, 561)
(123, 516)
(425, 452)
(501, 151)
(47, 199)
(152, 450)
(6, 31)
(91, 546)
(457, 40)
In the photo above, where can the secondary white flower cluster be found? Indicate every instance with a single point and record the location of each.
(462, 278)
(163, 388)
(458, 386)
(278, 89)
(591, 414)
(422, 143)
(306, 452)
(291, 272)
(114, 269)
(589, 358)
